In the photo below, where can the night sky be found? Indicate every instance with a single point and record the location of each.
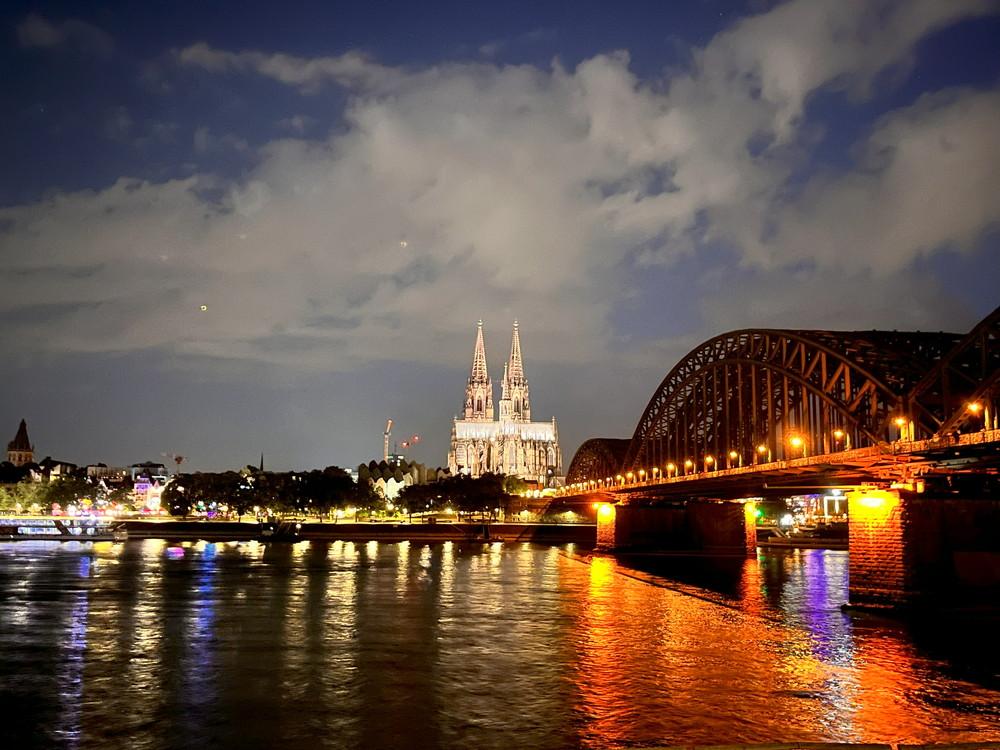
(349, 187)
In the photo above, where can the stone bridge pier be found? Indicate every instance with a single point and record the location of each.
(714, 527)
(906, 548)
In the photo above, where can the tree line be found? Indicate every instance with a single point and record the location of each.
(316, 492)
(483, 496)
(25, 496)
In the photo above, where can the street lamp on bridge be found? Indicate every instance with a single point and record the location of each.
(671, 468)
(709, 462)
(762, 452)
(798, 444)
(688, 463)
(642, 475)
(901, 423)
(733, 455)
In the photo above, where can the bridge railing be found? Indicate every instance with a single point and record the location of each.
(863, 456)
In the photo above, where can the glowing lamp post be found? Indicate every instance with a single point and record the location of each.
(629, 476)
(975, 409)
(709, 462)
(733, 456)
(688, 463)
(901, 426)
(762, 453)
(797, 444)
(671, 469)
(642, 475)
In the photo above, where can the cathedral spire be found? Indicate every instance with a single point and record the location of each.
(515, 366)
(479, 390)
(479, 373)
(514, 403)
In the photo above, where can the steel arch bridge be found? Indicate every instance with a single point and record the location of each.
(599, 457)
(765, 395)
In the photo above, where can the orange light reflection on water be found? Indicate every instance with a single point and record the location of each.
(674, 666)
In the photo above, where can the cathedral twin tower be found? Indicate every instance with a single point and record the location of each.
(513, 444)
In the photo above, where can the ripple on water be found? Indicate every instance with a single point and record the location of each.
(369, 645)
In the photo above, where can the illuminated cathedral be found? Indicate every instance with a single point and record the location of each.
(511, 444)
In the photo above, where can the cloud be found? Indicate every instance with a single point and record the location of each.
(205, 141)
(351, 69)
(297, 124)
(118, 124)
(926, 178)
(494, 47)
(467, 190)
(36, 31)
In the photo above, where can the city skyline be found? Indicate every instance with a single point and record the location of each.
(223, 235)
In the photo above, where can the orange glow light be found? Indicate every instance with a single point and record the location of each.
(606, 511)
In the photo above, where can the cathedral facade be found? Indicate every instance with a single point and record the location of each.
(508, 444)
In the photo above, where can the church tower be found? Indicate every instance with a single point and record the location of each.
(479, 390)
(20, 451)
(515, 404)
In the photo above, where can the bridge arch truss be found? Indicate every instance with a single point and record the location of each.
(598, 458)
(762, 395)
(754, 395)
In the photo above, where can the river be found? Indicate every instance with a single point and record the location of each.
(245, 645)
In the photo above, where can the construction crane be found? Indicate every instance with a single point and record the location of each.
(385, 442)
(177, 459)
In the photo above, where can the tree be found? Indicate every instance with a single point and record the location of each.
(67, 491)
(22, 496)
(514, 485)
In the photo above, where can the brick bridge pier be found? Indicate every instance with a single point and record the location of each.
(904, 548)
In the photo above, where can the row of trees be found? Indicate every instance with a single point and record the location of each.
(28, 495)
(482, 496)
(301, 492)
(320, 492)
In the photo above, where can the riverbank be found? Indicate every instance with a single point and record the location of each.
(440, 531)
(232, 531)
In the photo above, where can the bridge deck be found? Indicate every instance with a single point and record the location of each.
(897, 461)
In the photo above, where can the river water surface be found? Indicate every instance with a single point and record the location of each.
(157, 645)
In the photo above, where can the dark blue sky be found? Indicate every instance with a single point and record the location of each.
(626, 179)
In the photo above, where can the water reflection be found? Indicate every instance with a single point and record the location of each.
(155, 644)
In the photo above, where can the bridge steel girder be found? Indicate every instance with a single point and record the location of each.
(969, 372)
(597, 458)
(751, 388)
